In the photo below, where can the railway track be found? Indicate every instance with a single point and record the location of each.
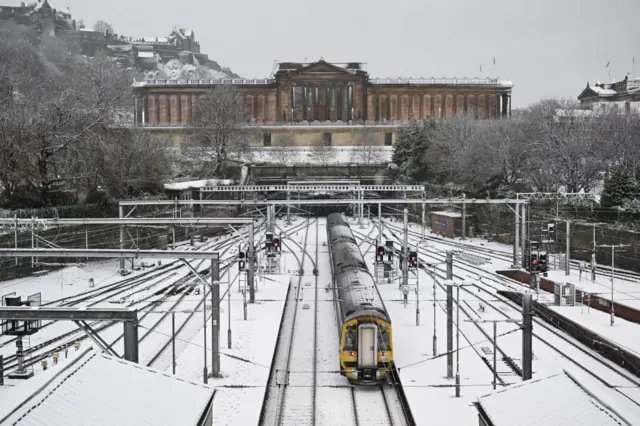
(554, 343)
(275, 402)
(182, 286)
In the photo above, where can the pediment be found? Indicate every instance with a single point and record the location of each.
(322, 67)
(588, 92)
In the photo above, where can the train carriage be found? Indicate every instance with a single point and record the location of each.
(366, 352)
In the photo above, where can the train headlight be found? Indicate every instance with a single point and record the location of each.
(352, 353)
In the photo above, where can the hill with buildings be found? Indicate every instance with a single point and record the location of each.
(176, 55)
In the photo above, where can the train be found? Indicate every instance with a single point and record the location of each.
(366, 348)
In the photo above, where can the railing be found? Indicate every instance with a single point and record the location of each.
(180, 82)
(375, 81)
(443, 80)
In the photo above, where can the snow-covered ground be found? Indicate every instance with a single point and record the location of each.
(424, 376)
(246, 365)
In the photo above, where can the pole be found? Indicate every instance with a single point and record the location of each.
(527, 335)
(33, 225)
(15, 236)
(435, 337)
(288, 210)
(495, 366)
(523, 241)
(458, 340)
(449, 262)
(516, 241)
(215, 317)
(205, 373)
(250, 277)
(229, 307)
(173, 341)
(86, 239)
(593, 256)
(405, 250)
(449, 329)
(423, 224)
(568, 252)
(244, 297)
(613, 254)
(121, 215)
(380, 220)
(464, 218)
(417, 298)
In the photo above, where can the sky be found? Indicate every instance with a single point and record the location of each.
(548, 48)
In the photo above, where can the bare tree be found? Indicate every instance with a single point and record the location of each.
(219, 130)
(101, 26)
(284, 152)
(366, 150)
(322, 153)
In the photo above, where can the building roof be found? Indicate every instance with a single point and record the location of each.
(98, 389)
(194, 184)
(448, 214)
(554, 400)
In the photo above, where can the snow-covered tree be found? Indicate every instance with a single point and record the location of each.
(412, 142)
(218, 131)
(101, 26)
(619, 189)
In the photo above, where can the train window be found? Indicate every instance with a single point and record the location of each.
(351, 340)
(384, 342)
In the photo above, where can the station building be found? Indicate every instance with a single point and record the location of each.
(331, 103)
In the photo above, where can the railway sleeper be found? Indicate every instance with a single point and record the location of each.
(513, 365)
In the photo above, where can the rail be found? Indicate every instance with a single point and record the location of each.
(311, 188)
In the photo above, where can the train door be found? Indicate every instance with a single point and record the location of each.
(367, 344)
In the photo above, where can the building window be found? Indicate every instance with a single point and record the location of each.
(388, 139)
(327, 139)
(266, 139)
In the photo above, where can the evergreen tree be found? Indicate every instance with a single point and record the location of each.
(619, 188)
(412, 142)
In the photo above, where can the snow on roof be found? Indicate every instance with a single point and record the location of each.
(101, 389)
(155, 39)
(178, 186)
(603, 92)
(448, 214)
(146, 54)
(554, 400)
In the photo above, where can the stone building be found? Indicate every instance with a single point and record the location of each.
(623, 95)
(39, 14)
(327, 102)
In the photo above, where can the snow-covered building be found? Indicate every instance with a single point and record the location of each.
(555, 400)
(99, 389)
(623, 95)
(40, 14)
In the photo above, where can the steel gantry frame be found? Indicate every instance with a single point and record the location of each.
(522, 213)
(80, 316)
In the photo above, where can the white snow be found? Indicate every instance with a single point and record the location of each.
(564, 401)
(177, 186)
(324, 155)
(99, 384)
(175, 70)
(447, 214)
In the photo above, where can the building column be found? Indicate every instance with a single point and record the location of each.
(153, 109)
(509, 106)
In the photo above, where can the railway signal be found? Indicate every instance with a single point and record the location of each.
(241, 261)
(551, 230)
(276, 244)
(381, 253)
(413, 260)
(269, 243)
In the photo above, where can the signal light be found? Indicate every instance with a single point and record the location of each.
(276, 244)
(413, 259)
(241, 261)
(381, 253)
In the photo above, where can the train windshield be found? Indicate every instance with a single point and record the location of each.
(351, 340)
(384, 340)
